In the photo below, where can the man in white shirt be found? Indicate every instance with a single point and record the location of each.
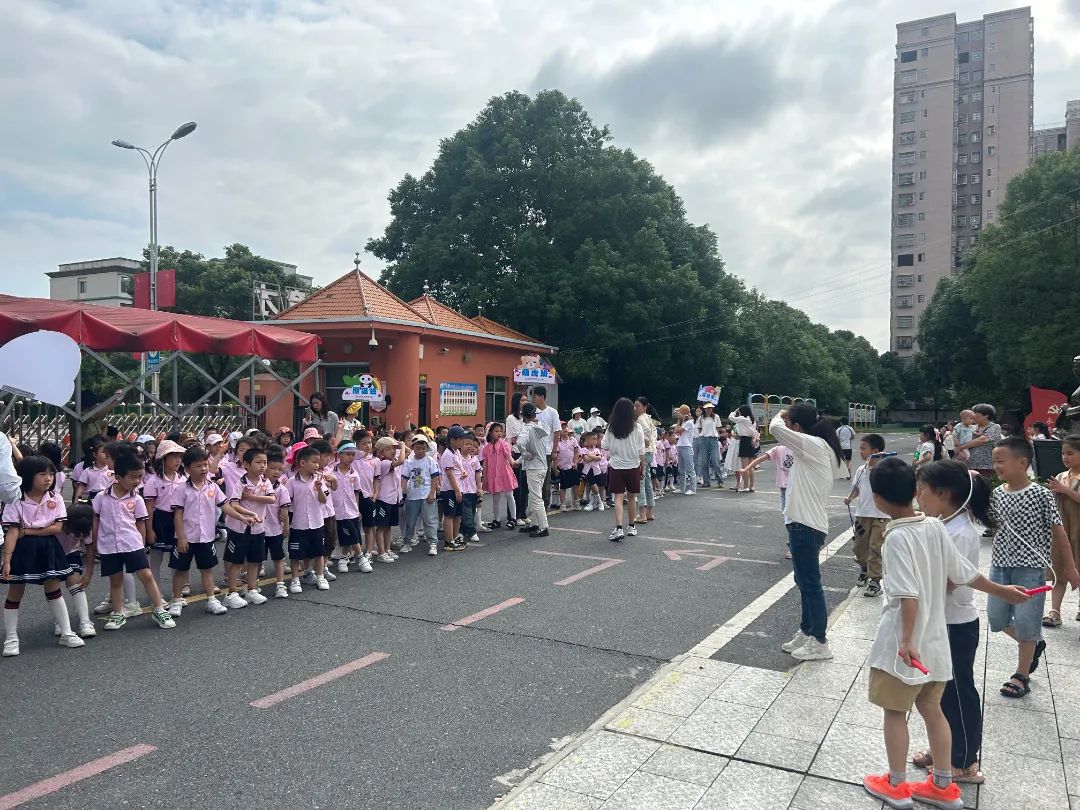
(548, 418)
(595, 420)
(846, 435)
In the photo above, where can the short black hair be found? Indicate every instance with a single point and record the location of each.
(875, 441)
(984, 409)
(112, 431)
(80, 520)
(322, 446)
(304, 453)
(539, 391)
(252, 453)
(194, 455)
(893, 481)
(1072, 441)
(274, 452)
(1018, 447)
(125, 462)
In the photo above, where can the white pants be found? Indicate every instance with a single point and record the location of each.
(537, 507)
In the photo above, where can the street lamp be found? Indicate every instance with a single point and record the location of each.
(152, 160)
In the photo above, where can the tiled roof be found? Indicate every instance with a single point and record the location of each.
(354, 295)
(441, 315)
(501, 330)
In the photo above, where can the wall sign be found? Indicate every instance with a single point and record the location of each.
(458, 399)
(362, 388)
(534, 370)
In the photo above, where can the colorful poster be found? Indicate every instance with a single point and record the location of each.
(709, 393)
(458, 399)
(535, 370)
(362, 388)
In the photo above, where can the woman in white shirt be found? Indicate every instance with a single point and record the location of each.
(685, 444)
(646, 497)
(818, 461)
(747, 437)
(514, 426)
(625, 441)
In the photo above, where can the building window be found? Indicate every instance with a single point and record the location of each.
(922, 216)
(905, 239)
(975, 223)
(989, 194)
(992, 27)
(976, 157)
(905, 281)
(976, 35)
(976, 56)
(908, 77)
(905, 220)
(991, 108)
(972, 240)
(905, 260)
(908, 56)
(905, 321)
(921, 299)
(963, 76)
(905, 179)
(905, 159)
(82, 286)
(976, 116)
(975, 179)
(923, 72)
(922, 257)
(961, 179)
(906, 98)
(495, 399)
(976, 137)
(974, 199)
(906, 137)
(976, 95)
(989, 214)
(922, 175)
(924, 52)
(961, 220)
(904, 342)
(922, 155)
(976, 75)
(904, 200)
(904, 301)
(963, 36)
(989, 151)
(925, 32)
(963, 58)
(907, 117)
(127, 285)
(961, 118)
(962, 160)
(922, 195)
(992, 46)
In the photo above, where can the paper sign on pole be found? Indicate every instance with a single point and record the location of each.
(709, 393)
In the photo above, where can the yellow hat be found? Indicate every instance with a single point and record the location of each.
(353, 409)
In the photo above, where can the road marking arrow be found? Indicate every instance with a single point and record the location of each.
(714, 560)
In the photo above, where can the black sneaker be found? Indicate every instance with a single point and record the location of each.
(527, 529)
(873, 588)
(540, 533)
(862, 580)
(495, 524)
(511, 524)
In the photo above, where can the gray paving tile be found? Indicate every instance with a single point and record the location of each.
(685, 765)
(848, 753)
(853, 626)
(780, 752)
(706, 668)
(677, 693)
(643, 723)
(717, 727)
(799, 716)
(1069, 722)
(847, 650)
(751, 686)
(547, 797)
(1039, 699)
(824, 794)
(1070, 752)
(744, 786)
(601, 764)
(647, 790)
(1014, 781)
(856, 710)
(1019, 732)
(823, 679)
(1064, 650)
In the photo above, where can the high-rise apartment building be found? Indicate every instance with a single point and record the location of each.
(962, 128)
(1059, 139)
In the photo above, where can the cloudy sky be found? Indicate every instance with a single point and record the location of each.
(772, 120)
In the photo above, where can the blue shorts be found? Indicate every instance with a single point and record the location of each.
(1025, 619)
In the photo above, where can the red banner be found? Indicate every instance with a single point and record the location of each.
(1045, 406)
(166, 290)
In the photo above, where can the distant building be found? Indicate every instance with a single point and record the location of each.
(107, 282)
(1059, 139)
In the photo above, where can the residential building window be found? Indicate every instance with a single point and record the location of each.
(989, 172)
(976, 157)
(922, 257)
(905, 179)
(991, 108)
(992, 46)
(961, 139)
(495, 399)
(905, 321)
(921, 299)
(976, 75)
(905, 281)
(992, 27)
(127, 285)
(906, 199)
(976, 95)
(905, 260)
(964, 36)
(905, 220)
(989, 194)
(993, 88)
(906, 137)
(925, 32)
(922, 175)
(963, 76)
(961, 179)
(976, 35)
(961, 220)
(976, 56)
(922, 216)
(962, 98)
(990, 130)
(922, 238)
(962, 160)
(975, 179)
(989, 215)
(919, 278)
(908, 76)
(976, 222)
(904, 301)
(922, 195)
(976, 116)
(906, 98)
(905, 159)
(908, 56)
(904, 342)
(923, 72)
(976, 137)
(993, 68)
(905, 240)
(974, 199)
(989, 151)
(963, 58)
(973, 240)
(924, 52)
(922, 94)
(907, 117)
(82, 286)
(961, 118)
(922, 155)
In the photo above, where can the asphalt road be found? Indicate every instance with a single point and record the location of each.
(435, 715)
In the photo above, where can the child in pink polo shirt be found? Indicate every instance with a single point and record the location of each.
(346, 505)
(245, 545)
(450, 493)
(120, 541)
(567, 456)
(158, 490)
(32, 551)
(364, 466)
(76, 536)
(391, 455)
(96, 472)
(308, 496)
(590, 467)
(470, 488)
(276, 521)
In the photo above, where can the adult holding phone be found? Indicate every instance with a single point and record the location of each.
(818, 461)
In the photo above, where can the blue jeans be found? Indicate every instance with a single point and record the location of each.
(428, 513)
(468, 514)
(1025, 619)
(687, 476)
(805, 545)
(646, 498)
(707, 455)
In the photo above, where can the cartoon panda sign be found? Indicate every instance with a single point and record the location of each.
(362, 388)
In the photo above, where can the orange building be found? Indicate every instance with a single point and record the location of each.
(430, 360)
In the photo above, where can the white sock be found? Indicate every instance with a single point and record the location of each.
(60, 614)
(11, 624)
(82, 609)
(129, 588)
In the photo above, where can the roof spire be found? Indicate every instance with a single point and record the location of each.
(356, 261)
(427, 289)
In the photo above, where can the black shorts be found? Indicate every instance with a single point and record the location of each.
(348, 532)
(657, 472)
(130, 561)
(451, 507)
(592, 477)
(75, 560)
(386, 514)
(203, 553)
(746, 447)
(164, 524)
(367, 512)
(305, 544)
(275, 547)
(846, 454)
(244, 547)
(568, 479)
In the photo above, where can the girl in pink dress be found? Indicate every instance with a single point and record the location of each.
(499, 477)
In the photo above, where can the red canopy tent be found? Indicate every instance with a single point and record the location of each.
(124, 329)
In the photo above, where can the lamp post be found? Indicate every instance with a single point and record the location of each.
(152, 160)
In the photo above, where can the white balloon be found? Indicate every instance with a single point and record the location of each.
(41, 365)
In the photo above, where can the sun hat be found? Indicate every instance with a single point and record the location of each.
(290, 456)
(594, 409)
(576, 410)
(354, 409)
(285, 429)
(169, 446)
(234, 437)
(214, 438)
(420, 438)
(144, 438)
(312, 433)
(384, 442)
(187, 437)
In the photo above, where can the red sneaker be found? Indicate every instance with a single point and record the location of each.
(898, 796)
(947, 798)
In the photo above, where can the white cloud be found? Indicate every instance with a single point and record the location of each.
(309, 112)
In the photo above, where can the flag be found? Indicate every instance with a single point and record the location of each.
(1045, 406)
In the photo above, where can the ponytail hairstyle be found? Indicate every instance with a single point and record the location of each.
(90, 448)
(931, 434)
(806, 417)
(955, 481)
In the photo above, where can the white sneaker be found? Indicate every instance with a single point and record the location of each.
(395, 544)
(322, 584)
(588, 507)
(432, 549)
(474, 539)
(616, 534)
(56, 630)
(600, 507)
(343, 566)
(394, 554)
(11, 648)
(483, 527)
(71, 641)
(385, 558)
(405, 548)
(104, 608)
(176, 606)
(363, 565)
(132, 609)
(797, 640)
(294, 586)
(813, 650)
(87, 630)
(215, 607)
(253, 597)
(262, 570)
(631, 530)
(328, 575)
(281, 591)
(234, 601)
(416, 541)
(689, 492)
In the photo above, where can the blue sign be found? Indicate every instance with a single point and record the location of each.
(153, 361)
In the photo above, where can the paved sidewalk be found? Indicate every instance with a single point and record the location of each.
(709, 735)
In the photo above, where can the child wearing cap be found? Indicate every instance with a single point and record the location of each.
(391, 455)
(346, 505)
(567, 456)
(420, 473)
(158, 491)
(470, 487)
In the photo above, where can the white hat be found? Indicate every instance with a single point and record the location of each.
(214, 438)
(234, 437)
(167, 447)
(144, 438)
(576, 410)
(594, 409)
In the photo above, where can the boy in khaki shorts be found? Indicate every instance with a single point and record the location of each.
(922, 561)
(869, 528)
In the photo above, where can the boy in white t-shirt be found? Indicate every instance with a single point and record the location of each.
(921, 560)
(869, 526)
(420, 473)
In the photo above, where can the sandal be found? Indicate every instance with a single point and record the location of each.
(1040, 648)
(970, 775)
(1052, 619)
(1011, 690)
(922, 759)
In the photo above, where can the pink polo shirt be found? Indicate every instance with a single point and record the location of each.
(344, 497)
(389, 482)
(590, 458)
(328, 507)
(162, 490)
(118, 517)
(71, 544)
(230, 473)
(200, 505)
(272, 518)
(97, 479)
(364, 466)
(239, 492)
(307, 512)
(470, 465)
(449, 464)
(605, 460)
(564, 454)
(31, 514)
